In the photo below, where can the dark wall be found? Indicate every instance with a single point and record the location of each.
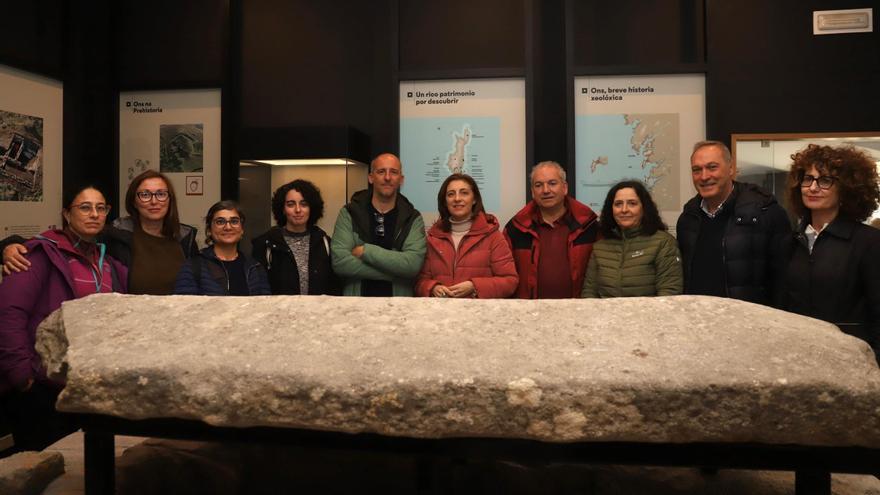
(457, 35)
(167, 44)
(636, 33)
(336, 63)
(33, 34)
(89, 102)
(767, 72)
(547, 89)
(316, 63)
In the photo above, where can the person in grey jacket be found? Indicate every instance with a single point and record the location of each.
(378, 244)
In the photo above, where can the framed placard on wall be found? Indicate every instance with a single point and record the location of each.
(178, 134)
(476, 127)
(638, 127)
(30, 153)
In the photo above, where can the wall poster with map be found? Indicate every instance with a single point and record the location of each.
(476, 127)
(638, 127)
(30, 153)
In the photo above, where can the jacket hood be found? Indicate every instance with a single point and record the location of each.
(55, 243)
(581, 214)
(60, 240)
(126, 224)
(363, 197)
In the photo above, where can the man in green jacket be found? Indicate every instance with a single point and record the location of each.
(378, 244)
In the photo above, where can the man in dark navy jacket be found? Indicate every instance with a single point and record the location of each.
(731, 234)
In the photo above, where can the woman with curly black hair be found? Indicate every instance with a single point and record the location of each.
(296, 252)
(833, 270)
(636, 257)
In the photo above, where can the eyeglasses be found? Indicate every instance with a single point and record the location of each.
(221, 221)
(825, 181)
(161, 195)
(86, 208)
(380, 225)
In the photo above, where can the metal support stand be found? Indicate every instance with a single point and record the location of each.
(812, 482)
(100, 460)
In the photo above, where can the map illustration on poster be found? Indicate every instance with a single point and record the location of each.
(475, 127)
(637, 128)
(443, 146)
(21, 157)
(31, 137)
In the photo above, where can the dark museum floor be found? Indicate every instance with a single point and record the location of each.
(191, 467)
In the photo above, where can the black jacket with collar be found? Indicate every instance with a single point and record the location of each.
(359, 209)
(838, 282)
(272, 251)
(752, 244)
(119, 237)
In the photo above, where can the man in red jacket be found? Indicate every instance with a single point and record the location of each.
(551, 237)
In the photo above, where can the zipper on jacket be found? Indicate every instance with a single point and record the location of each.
(724, 265)
(690, 262)
(227, 276)
(247, 276)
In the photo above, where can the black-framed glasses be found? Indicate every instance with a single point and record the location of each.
(86, 208)
(161, 195)
(824, 181)
(232, 221)
(380, 225)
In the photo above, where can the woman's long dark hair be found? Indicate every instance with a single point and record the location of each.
(441, 199)
(651, 221)
(171, 222)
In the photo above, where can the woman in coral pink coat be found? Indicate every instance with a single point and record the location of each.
(467, 254)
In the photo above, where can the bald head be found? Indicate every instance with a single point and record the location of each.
(385, 158)
(386, 177)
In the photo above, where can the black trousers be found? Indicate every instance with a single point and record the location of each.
(33, 420)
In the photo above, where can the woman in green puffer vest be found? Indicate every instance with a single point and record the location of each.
(636, 257)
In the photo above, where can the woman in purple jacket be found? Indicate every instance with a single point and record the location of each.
(65, 264)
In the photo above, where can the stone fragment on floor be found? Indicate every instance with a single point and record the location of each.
(28, 473)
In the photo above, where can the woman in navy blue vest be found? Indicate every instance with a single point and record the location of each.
(221, 269)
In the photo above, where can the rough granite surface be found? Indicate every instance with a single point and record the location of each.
(667, 369)
(28, 473)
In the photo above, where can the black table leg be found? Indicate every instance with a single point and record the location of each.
(812, 482)
(100, 459)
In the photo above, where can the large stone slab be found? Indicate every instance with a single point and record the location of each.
(678, 369)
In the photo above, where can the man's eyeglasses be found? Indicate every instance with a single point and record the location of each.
(145, 196)
(232, 221)
(86, 208)
(825, 181)
(380, 225)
